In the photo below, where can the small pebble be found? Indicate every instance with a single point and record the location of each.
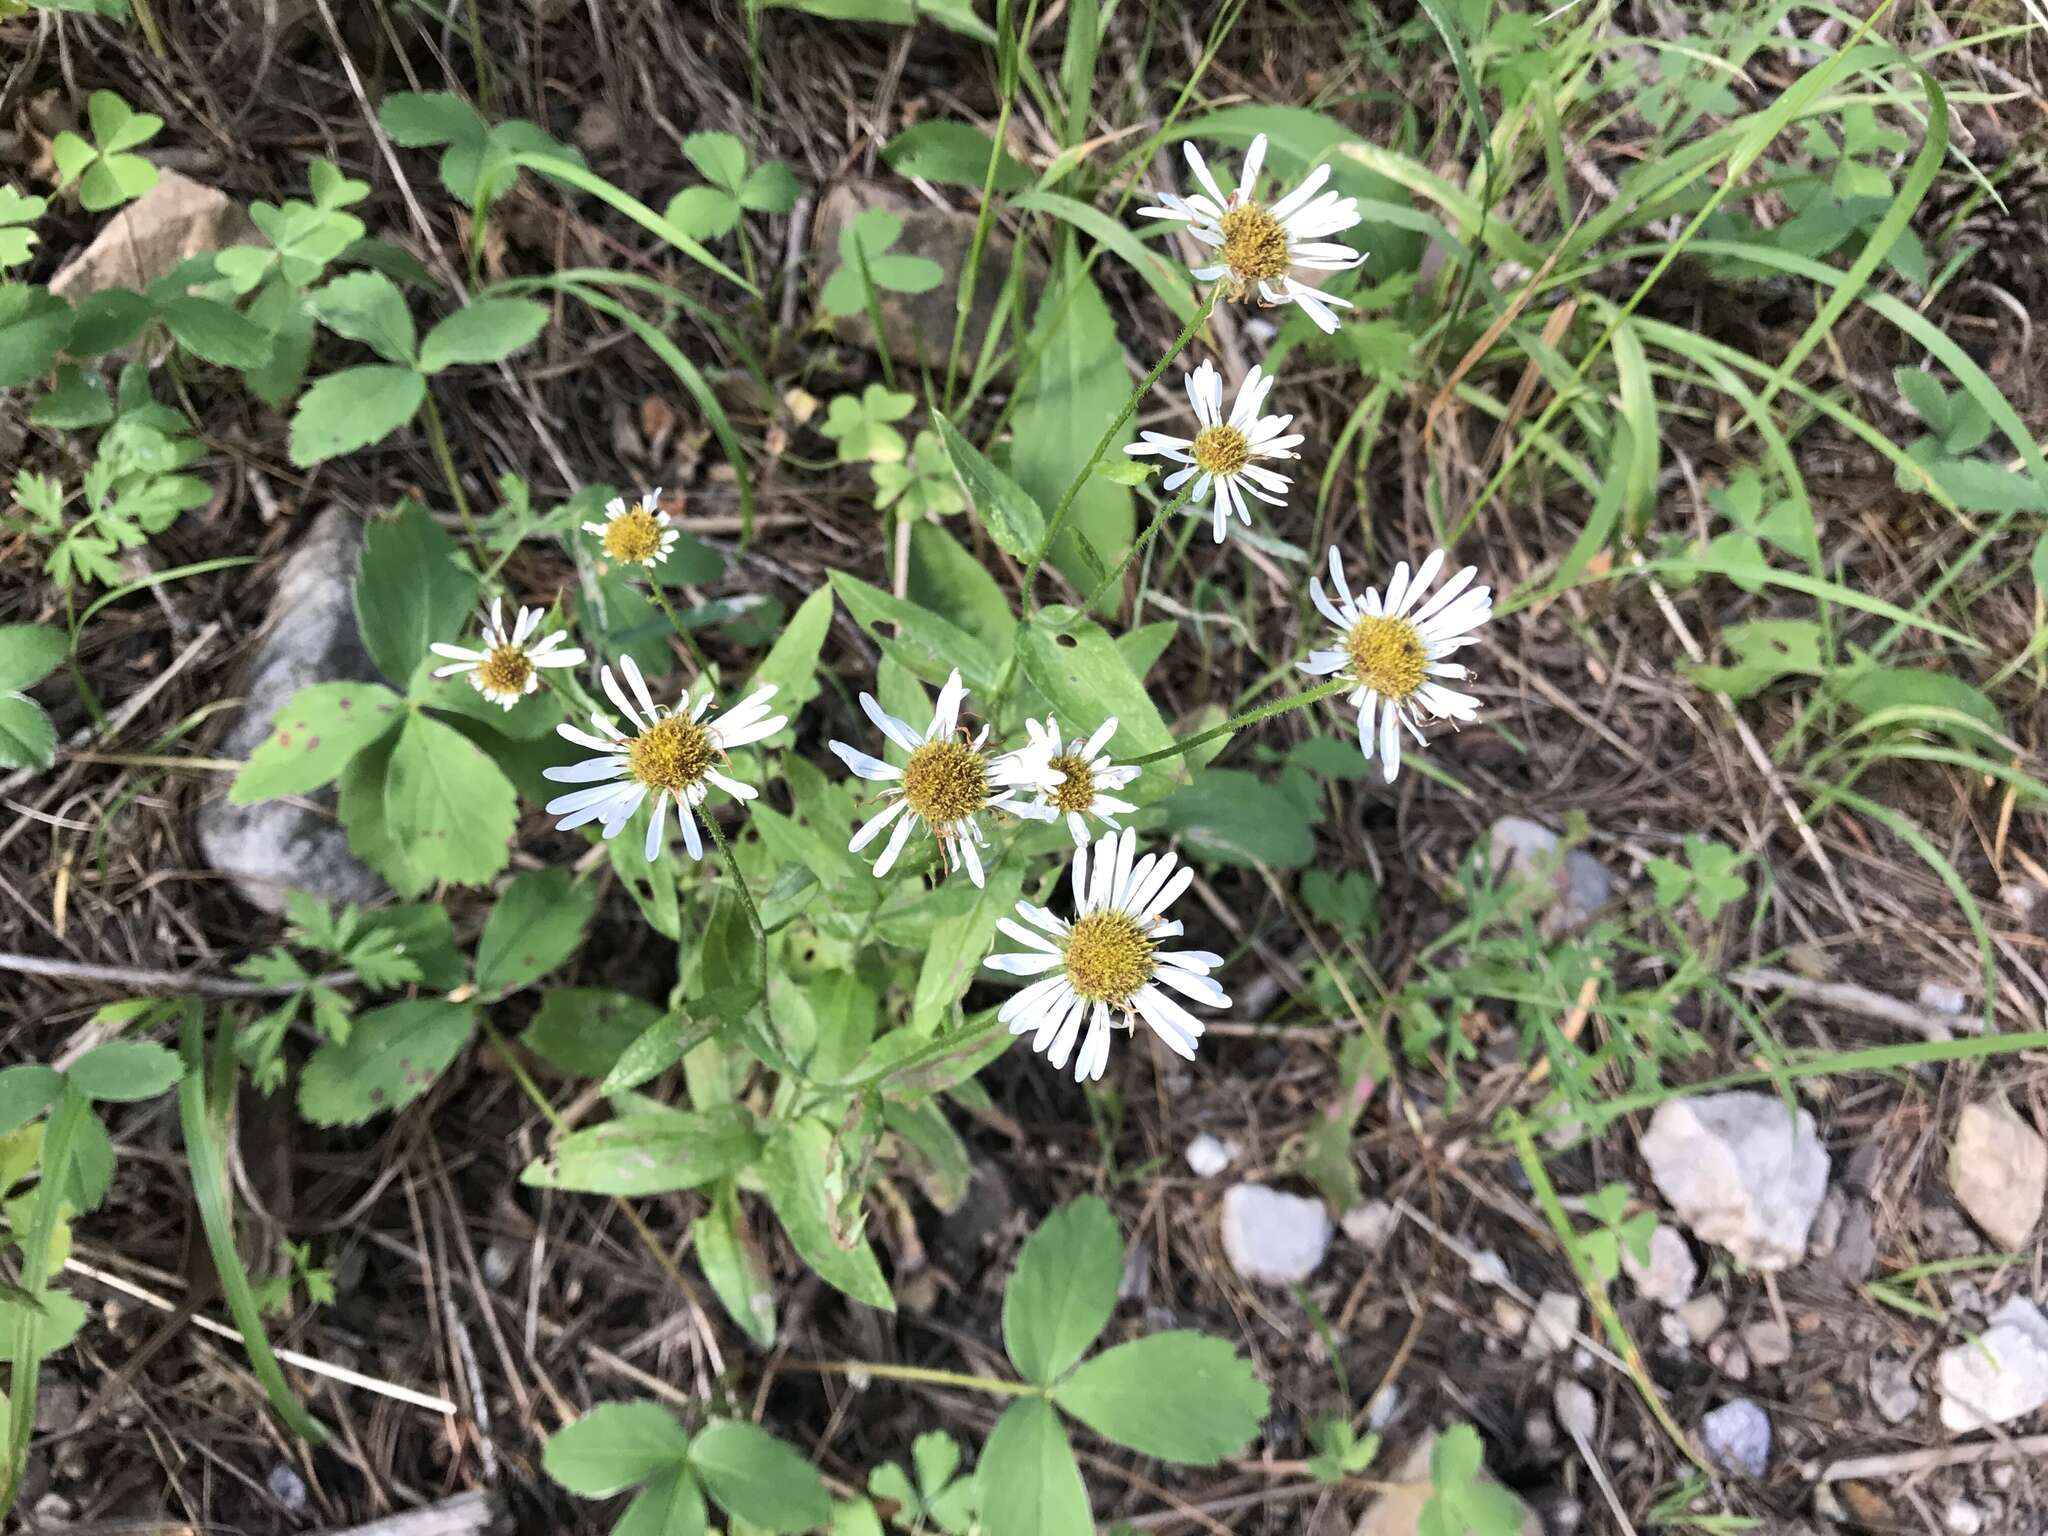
(1892, 1392)
(1209, 1155)
(1703, 1316)
(1963, 1517)
(1371, 1224)
(1551, 1328)
(1576, 1410)
(1769, 1343)
(1273, 1238)
(1675, 1333)
(1510, 1316)
(1726, 1354)
(287, 1487)
(1671, 1273)
(1738, 1437)
(1942, 997)
(1379, 1413)
(1489, 1268)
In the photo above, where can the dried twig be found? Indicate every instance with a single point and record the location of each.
(180, 983)
(1862, 1002)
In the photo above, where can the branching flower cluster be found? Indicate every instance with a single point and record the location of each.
(1108, 964)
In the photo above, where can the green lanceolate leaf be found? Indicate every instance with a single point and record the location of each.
(535, 926)
(1086, 679)
(753, 1475)
(651, 1153)
(1063, 1289)
(799, 1172)
(1013, 519)
(313, 737)
(614, 1447)
(392, 1056)
(448, 804)
(922, 641)
(726, 1252)
(1029, 1483)
(1180, 1396)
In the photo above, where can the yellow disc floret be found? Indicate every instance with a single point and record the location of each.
(1077, 791)
(1387, 656)
(504, 673)
(670, 754)
(1108, 957)
(633, 537)
(945, 781)
(1254, 244)
(1221, 450)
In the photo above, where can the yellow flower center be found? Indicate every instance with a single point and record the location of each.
(1221, 450)
(1254, 244)
(633, 537)
(945, 781)
(670, 754)
(504, 672)
(1108, 957)
(1077, 792)
(1387, 656)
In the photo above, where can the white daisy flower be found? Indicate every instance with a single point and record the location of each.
(1223, 451)
(1085, 773)
(507, 668)
(1394, 651)
(671, 756)
(1259, 245)
(945, 783)
(1107, 961)
(635, 533)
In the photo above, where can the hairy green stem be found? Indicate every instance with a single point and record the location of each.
(1301, 700)
(1059, 516)
(446, 460)
(689, 644)
(1138, 547)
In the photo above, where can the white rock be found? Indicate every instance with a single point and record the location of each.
(1963, 1517)
(1892, 1392)
(1371, 1224)
(1703, 1316)
(1489, 1268)
(1208, 1155)
(1552, 1325)
(1379, 1413)
(1738, 1438)
(1740, 1172)
(1671, 1273)
(1942, 997)
(1675, 1333)
(1726, 1355)
(1999, 1376)
(1768, 1342)
(1272, 1238)
(1999, 1171)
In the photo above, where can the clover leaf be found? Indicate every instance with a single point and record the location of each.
(107, 175)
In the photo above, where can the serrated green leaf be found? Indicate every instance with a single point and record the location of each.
(367, 307)
(215, 333)
(672, 1504)
(770, 188)
(353, 409)
(26, 1091)
(107, 321)
(125, 1070)
(483, 331)
(585, 1030)
(652, 1153)
(359, 804)
(448, 803)
(412, 588)
(703, 213)
(613, 1447)
(392, 1056)
(954, 154)
(34, 325)
(417, 119)
(313, 737)
(27, 738)
(1063, 1290)
(753, 1475)
(798, 1172)
(1029, 1483)
(535, 926)
(1181, 1396)
(720, 157)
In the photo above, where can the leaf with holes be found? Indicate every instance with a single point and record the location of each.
(392, 1056)
(313, 737)
(653, 1153)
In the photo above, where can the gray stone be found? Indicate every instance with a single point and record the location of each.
(1998, 1169)
(1370, 1224)
(175, 219)
(1737, 1436)
(287, 1487)
(275, 846)
(1740, 1172)
(1999, 1376)
(1671, 1273)
(1892, 1392)
(920, 325)
(1273, 1238)
(1703, 1316)
(1963, 1517)
(1726, 1355)
(1208, 1156)
(1552, 1325)
(1579, 885)
(1769, 1342)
